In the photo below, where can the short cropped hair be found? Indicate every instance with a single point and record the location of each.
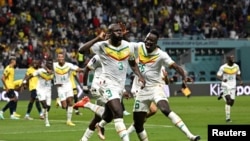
(155, 32)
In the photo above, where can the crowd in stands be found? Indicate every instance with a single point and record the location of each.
(39, 28)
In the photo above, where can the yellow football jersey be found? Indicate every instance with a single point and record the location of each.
(9, 73)
(33, 80)
(18, 83)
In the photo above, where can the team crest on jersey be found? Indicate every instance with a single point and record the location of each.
(144, 58)
(119, 55)
(62, 71)
(46, 76)
(232, 70)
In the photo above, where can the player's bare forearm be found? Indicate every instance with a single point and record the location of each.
(85, 76)
(178, 69)
(134, 67)
(3, 80)
(239, 79)
(85, 47)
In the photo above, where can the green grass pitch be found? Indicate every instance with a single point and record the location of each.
(197, 112)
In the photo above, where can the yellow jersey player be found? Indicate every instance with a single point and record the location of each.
(32, 88)
(8, 86)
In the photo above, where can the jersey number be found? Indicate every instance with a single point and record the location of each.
(141, 67)
(137, 104)
(120, 66)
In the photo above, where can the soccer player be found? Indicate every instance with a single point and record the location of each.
(228, 74)
(8, 86)
(32, 88)
(62, 72)
(45, 76)
(77, 90)
(115, 55)
(151, 60)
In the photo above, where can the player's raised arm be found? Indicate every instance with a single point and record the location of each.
(85, 47)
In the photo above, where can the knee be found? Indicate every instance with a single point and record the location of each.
(165, 110)
(117, 113)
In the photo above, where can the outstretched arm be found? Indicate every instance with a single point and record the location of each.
(85, 47)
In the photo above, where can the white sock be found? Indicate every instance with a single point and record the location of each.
(99, 110)
(69, 113)
(227, 111)
(143, 136)
(87, 134)
(121, 129)
(131, 129)
(102, 123)
(46, 117)
(177, 121)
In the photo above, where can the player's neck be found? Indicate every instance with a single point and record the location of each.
(61, 64)
(115, 43)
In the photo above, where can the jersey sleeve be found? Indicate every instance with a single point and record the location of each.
(6, 71)
(238, 72)
(93, 62)
(167, 60)
(96, 48)
(28, 72)
(220, 71)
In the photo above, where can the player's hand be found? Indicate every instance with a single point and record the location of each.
(224, 80)
(124, 29)
(102, 35)
(142, 82)
(241, 83)
(126, 95)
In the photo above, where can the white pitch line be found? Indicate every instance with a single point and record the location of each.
(73, 130)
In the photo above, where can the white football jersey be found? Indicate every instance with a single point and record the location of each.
(150, 64)
(114, 60)
(44, 78)
(229, 73)
(62, 73)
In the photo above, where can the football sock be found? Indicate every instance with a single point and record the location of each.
(87, 134)
(143, 135)
(177, 121)
(227, 110)
(38, 106)
(131, 129)
(99, 110)
(69, 113)
(121, 129)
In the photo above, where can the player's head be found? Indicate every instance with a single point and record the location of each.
(230, 59)
(12, 60)
(115, 32)
(49, 63)
(60, 58)
(151, 40)
(35, 63)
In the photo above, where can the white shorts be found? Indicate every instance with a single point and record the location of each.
(228, 91)
(166, 90)
(44, 95)
(64, 93)
(148, 95)
(5, 98)
(110, 91)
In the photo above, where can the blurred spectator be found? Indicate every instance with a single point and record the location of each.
(41, 28)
